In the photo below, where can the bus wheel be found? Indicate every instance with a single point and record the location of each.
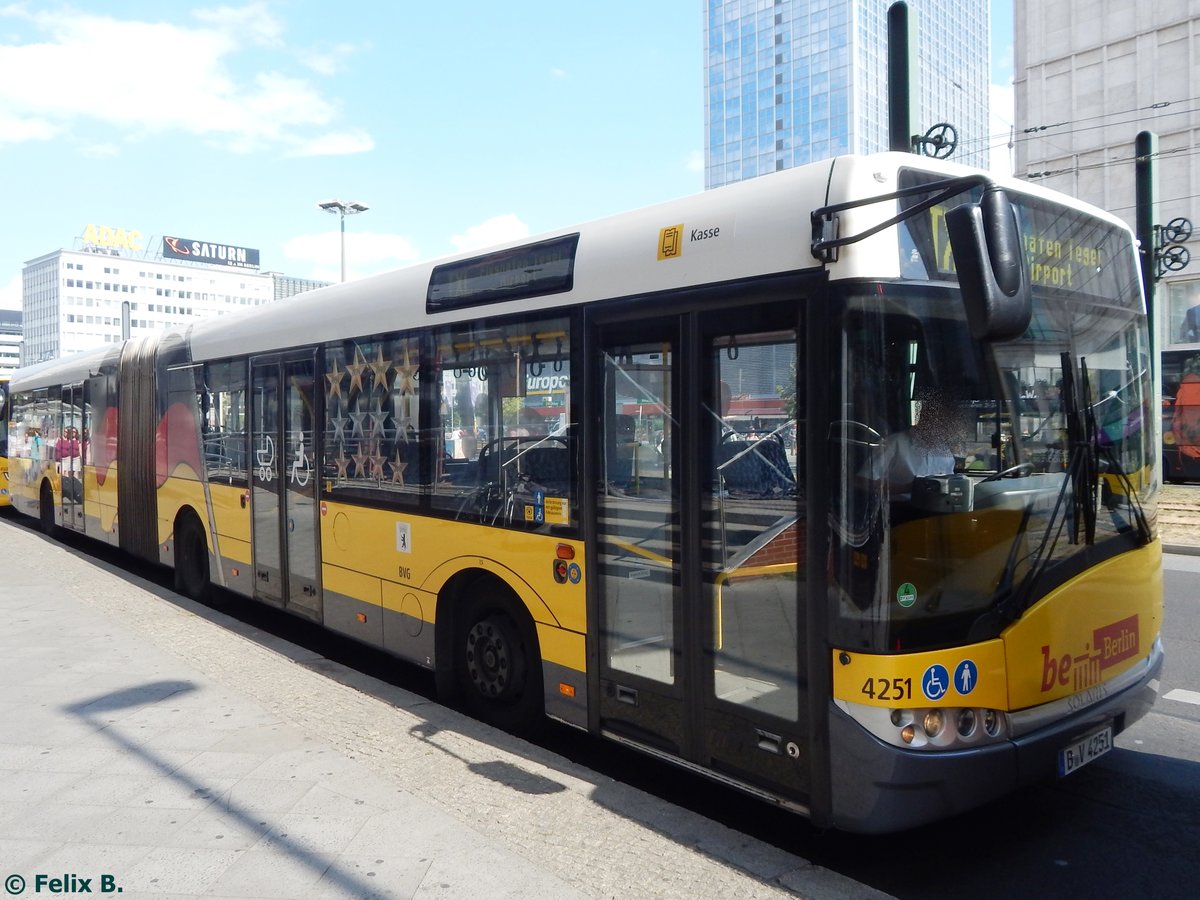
(46, 511)
(192, 577)
(497, 664)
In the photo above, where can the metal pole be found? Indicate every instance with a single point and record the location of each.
(1146, 188)
(901, 69)
(343, 209)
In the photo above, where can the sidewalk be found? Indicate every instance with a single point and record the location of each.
(155, 745)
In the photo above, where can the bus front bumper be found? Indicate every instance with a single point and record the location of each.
(877, 788)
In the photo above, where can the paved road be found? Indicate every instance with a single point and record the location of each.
(181, 753)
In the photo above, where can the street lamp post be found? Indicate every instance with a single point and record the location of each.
(343, 209)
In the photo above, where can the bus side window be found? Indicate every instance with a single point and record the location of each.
(222, 399)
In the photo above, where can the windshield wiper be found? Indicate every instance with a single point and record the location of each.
(1010, 599)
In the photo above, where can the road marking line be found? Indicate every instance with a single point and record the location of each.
(1183, 696)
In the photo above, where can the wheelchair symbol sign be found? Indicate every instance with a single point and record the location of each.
(935, 682)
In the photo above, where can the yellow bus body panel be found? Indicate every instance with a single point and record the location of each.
(230, 512)
(363, 542)
(894, 682)
(1074, 639)
(182, 488)
(1083, 633)
(100, 500)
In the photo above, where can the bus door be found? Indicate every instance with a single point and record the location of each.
(284, 485)
(699, 541)
(69, 450)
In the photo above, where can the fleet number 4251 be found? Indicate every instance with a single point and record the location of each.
(888, 688)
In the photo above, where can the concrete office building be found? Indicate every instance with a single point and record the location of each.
(1091, 74)
(76, 299)
(10, 341)
(792, 81)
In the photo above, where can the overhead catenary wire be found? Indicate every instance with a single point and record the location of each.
(1042, 131)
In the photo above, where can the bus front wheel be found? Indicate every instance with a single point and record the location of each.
(497, 663)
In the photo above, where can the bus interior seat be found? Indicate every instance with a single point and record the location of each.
(549, 467)
(756, 467)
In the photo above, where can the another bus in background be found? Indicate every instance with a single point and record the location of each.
(1181, 415)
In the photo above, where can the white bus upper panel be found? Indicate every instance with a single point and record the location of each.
(68, 370)
(752, 228)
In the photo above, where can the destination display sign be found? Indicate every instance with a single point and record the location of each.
(1066, 250)
(533, 270)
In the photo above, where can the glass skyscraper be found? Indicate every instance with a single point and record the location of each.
(793, 81)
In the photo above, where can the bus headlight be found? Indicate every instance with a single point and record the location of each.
(933, 722)
(991, 722)
(966, 721)
(931, 728)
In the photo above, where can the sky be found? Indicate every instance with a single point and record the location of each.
(460, 125)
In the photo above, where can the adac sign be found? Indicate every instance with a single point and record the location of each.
(112, 238)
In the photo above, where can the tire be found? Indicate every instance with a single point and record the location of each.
(497, 662)
(46, 511)
(192, 576)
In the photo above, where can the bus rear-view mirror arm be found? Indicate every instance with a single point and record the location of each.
(984, 238)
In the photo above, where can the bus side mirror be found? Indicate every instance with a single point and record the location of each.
(992, 271)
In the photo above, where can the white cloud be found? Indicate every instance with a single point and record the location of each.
(334, 143)
(10, 294)
(366, 253)
(253, 20)
(326, 62)
(150, 77)
(17, 129)
(695, 161)
(496, 230)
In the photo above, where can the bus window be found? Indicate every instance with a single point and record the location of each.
(223, 421)
(372, 417)
(504, 451)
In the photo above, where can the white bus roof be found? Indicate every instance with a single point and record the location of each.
(752, 228)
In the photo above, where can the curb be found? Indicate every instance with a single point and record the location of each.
(1182, 549)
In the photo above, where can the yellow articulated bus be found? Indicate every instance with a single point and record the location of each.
(797, 483)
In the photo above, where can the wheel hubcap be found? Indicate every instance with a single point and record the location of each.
(488, 658)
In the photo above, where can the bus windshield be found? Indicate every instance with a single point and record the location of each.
(973, 476)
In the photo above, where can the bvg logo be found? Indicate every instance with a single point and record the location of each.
(1109, 645)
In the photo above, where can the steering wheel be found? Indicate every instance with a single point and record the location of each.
(1020, 470)
(515, 443)
(867, 435)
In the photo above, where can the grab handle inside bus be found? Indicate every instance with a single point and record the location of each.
(992, 271)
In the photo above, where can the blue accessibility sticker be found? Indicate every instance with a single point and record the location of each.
(935, 682)
(966, 676)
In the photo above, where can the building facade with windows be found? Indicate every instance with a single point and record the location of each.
(792, 81)
(76, 300)
(10, 341)
(1090, 75)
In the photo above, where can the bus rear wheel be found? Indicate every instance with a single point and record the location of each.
(46, 511)
(497, 663)
(192, 577)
